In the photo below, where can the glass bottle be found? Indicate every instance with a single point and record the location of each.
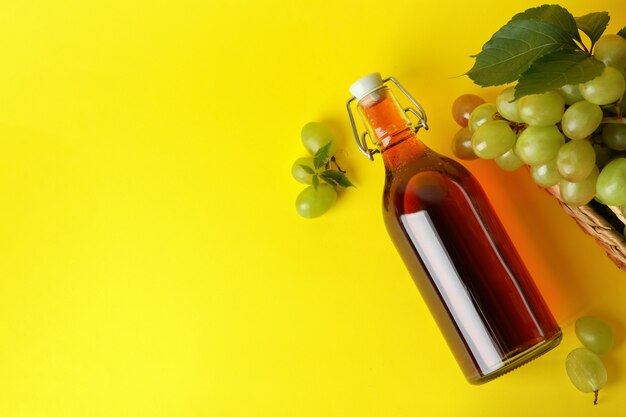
(457, 251)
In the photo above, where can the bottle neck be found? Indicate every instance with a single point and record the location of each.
(390, 128)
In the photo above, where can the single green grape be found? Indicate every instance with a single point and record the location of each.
(538, 145)
(579, 193)
(463, 107)
(462, 144)
(575, 160)
(480, 115)
(606, 88)
(506, 105)
(509, 161)
(312, 203)
(611, 49)
(611, 187)
(300, 173)
(315, 135)
(581, 119)
(594, 334)
(492, 139)
(623, 210)
(541, 109)
(545, 175)
(614, 136)
(586, 371)
(570, 93)
(603, 154)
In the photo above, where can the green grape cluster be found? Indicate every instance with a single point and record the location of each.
(573, 137)
(583, 365)
(316, 172)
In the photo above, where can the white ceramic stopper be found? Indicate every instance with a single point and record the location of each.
(366, 84)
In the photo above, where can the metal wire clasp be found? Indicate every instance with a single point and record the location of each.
(361, 141)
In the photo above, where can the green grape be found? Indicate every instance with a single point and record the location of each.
(300, 173)
(492, 139)
(581, 119)
(315, 135)
(312, 203)
(603, 154)
(594, 334)
(606, 88)
(538, 145)
(545, 175)
(586, 371)
(509, 161)
(463, 107)
(611, 186)
(570, 93)
(462, 144)
(579, 193)
(614, 136)
(623, 210)
(611, 49)
(575, 160)
(480, 115)
(541, 109)
(506, 105)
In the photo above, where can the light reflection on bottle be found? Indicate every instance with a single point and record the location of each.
(450, 286)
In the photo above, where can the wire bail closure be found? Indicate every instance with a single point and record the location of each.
(361, 140)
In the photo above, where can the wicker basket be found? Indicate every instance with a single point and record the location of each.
(604, 223)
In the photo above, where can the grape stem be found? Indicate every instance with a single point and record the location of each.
(517, 127)
(618, 120)
(595, 397)
(334, 161)
(615, 107)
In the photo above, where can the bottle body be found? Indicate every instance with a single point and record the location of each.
(457, 251)
(466, 268)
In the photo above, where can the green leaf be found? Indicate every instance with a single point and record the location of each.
(556, 70)
(329, 181)
(593, 25)
(622, 32)
(307, 169)
(322, 156)
(345, 182)
(316, 181)
(338, 177)
(553, 14)
(514, 48)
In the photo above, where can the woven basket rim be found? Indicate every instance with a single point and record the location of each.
(594, 224)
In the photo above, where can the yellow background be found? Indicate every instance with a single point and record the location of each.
(152, 263)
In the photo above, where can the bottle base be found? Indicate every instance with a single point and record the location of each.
(520, 359)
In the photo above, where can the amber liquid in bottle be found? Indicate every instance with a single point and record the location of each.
(457, 251)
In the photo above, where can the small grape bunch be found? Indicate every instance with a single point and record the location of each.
(583, 365)
(321, 194)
